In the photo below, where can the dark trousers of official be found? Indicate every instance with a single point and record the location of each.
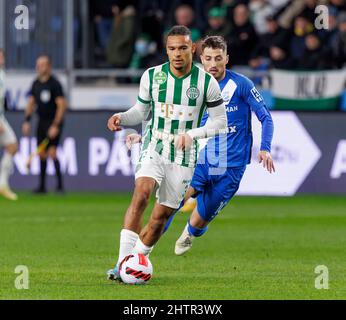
(42, 133)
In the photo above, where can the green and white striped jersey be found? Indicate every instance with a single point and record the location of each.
(2, 92)
(177, 105)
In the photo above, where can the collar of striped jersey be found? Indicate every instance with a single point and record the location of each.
(183, 77)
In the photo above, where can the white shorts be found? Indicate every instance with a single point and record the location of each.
(7, 135)
(172, 179)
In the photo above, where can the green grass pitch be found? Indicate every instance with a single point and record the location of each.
(257, 248)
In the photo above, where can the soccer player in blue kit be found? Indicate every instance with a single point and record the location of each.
(222, 163)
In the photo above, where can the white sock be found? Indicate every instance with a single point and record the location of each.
(6, 169)
(140, 247)
(128, 241)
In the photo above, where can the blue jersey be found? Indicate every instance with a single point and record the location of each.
(234, 148)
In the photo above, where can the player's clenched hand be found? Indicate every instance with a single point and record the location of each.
(265, 158)
(26, 127)
(114, 123)
(183, 142)
(132, 139)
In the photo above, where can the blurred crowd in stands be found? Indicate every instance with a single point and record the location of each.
(261, 34)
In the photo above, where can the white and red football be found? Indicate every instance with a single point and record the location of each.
(136, 269)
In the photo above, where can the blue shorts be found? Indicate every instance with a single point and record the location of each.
(215, 190)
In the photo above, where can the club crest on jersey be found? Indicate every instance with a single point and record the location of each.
(226, 97)
(160, 77)
(192, 93)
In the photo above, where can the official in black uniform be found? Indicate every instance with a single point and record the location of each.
(47, 95)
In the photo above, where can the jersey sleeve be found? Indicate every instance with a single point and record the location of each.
(140, 111)
(213, 98)
(57, 90)
(32, 90)
(144, 97)
(256, 102)
(251, 95)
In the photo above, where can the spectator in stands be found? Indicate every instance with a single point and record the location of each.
(185, 16)
(296, 8)
(121, 43)
(199, 7)
(309, 9)
(103, 18)
(260, 10)
(152, 25)
(314, 56)
(328, 36)
(218, 25)
(301, 28)
(243, 36)
(146, 53)
(279, 58)
(339, 5)
(339, 45)
(274, 37)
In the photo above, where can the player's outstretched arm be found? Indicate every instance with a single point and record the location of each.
(264, 155)
(138, 113)
(135, 115)
(256, 102)
(216, 124)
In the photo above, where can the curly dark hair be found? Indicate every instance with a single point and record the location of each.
(214, 42)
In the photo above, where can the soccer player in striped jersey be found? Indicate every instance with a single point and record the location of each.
(177, 93)
(223, 161)
(8, 140)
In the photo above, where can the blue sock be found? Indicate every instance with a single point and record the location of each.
(196, 232)
(169, 221)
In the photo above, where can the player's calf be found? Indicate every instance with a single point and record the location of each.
(140, 200)
(133, 221)
(153, 230)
